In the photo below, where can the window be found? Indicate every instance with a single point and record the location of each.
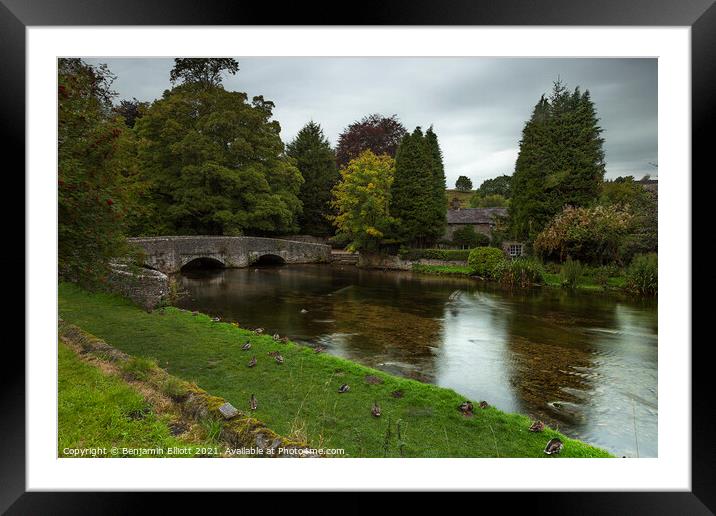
(514, 250)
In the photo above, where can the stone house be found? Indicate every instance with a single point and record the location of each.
(482, 220)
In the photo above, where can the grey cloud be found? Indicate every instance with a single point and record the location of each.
(478, 106)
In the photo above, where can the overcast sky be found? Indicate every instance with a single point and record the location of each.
(478, 106)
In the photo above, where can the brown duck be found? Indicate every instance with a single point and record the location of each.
(375, 410)
(466, 408)
(344, 388)
(537, 426)
(253, 403)
(553, 446)
(278, 358)
(252, 362)
(246, 346)
(484, 404)
(319, 349)
(259, 330)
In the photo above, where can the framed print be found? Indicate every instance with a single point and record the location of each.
(419, 252)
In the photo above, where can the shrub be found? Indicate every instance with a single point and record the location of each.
(138, 368)
(483, 260)
(467, 237)
(521, 272)
(642, 276)
(570, 273)
(434, 254)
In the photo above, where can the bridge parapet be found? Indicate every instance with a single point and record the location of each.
(169, 254)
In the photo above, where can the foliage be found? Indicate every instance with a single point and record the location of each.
(206, 72)
(500, 185)
(570, 273)
(642, 275)
(317, 163)
(131, 110)
(521, 272)
(483, 260)
(643, 236)
(560, 161)
(463, 183)
(488, 201)
(418, 192)
(466, 236)
(375, 132)
(97, 170)
(593, 235)
(305, 386)
(215, 165)
(362, 200)
(434, 254)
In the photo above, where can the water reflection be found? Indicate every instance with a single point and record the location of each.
(587, 364)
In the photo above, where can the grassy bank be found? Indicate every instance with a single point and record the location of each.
(97, 410)
(442, 270)
(299, 397)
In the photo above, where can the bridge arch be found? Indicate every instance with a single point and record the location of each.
(202, 262)
(269, 259)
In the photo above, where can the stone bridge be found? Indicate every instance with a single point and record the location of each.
(170, 254)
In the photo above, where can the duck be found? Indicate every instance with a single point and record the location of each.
(304, 311)
(276, 337)
(375, 410)
(484, 405)
(272, 353)
(465, 407)
(215, 319)
(253, 403)
(246, 346)
(537, 426)
(278, 358)
(284, 339)
(319, 349)
(252, 362)
(259, 330)
(553, 446)
(344, 388)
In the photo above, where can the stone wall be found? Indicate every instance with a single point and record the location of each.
(394, 262)
(145, 287)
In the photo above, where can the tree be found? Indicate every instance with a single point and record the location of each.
(131, 110)
(467, 237)
(317, 163)
(96, 173)
(376, 133)
(463, 183)
(500, 185)
(414, 200)
(216, 165)
(560, 162)
(362, 200)
(204, 71)
(438, 197)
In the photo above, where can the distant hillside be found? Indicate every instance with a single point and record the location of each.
(464, 197)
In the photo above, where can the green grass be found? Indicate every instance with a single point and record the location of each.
(99, 411)
(300, 397)
(586, 282)
(443, 270)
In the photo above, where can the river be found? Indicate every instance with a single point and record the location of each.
(585, 363)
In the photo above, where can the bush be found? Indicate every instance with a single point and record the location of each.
(521, 272)
(642, 276)
(483, 260)
(434, 254)
(570, 273)
(467, 237)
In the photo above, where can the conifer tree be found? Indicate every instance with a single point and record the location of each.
(438, 201)
(561, 160)
(317, 163)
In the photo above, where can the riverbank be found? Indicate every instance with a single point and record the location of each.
(299, 397)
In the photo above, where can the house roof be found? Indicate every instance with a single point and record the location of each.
(475, 215)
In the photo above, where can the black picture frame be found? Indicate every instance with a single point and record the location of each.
(17, 15)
